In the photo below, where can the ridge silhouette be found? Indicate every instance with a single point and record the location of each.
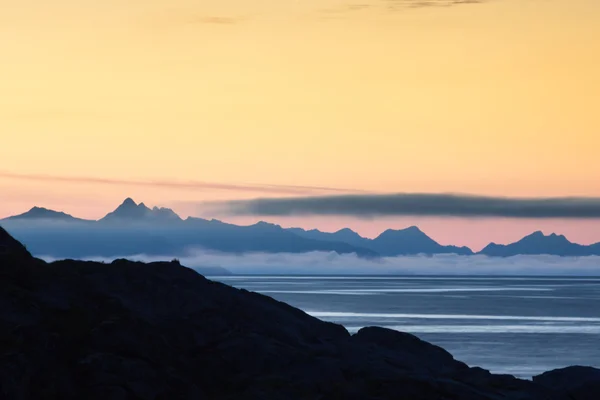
(134, 228)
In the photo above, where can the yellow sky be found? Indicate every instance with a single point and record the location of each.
(493, 98)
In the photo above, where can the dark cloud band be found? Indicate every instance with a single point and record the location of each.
(441, 205)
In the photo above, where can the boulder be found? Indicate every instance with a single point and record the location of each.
(576, 382)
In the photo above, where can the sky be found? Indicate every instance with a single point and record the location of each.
(178, 102)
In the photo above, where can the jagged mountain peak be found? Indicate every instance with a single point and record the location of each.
(540, 236)
(263, 224)
(129, 202)
(129, 210)
(410, 231)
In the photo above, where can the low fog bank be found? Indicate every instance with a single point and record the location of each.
(321, 263)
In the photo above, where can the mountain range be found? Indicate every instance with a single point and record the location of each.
(538, 243)
(409, 241)
(133, 229)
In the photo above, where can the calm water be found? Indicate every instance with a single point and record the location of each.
(521, 326)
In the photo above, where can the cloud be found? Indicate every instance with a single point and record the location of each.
(189, 185)
(345, 8)
(178, 18)
(396, 5)
(214, 20)
(322, 263)
(440, 205)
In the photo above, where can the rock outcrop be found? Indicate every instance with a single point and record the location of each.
(11, 250)
(125, 330)
(576, 382)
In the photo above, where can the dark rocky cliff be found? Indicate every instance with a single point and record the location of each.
(82, 330)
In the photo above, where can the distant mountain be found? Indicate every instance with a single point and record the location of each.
(409, 241)
(40, 213)
(344, 235)
(537, 243)
(260, 237)
(412, 241)
(129, 211)
(134, 229)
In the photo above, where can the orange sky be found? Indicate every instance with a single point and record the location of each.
(498, 98)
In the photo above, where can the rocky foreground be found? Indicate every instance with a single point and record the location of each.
(82, 330)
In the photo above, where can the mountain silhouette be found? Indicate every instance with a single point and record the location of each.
(537, 244)
(412, 241)
(135, 229)
(260, 237)
(409, 241)
(40, 213)
(345, 235)
(130, 211)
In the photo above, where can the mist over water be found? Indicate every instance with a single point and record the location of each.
(321, 263)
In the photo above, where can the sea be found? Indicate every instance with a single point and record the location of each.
(521, 326)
